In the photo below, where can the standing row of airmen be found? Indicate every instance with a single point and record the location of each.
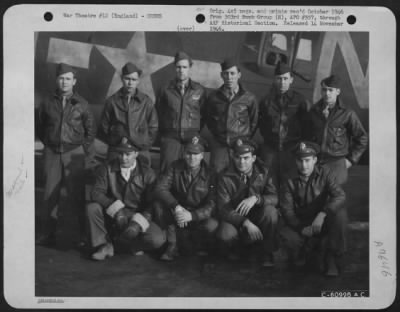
(235, 201)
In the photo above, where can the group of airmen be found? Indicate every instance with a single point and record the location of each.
(248, 200)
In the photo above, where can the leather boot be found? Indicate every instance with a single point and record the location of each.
(170, 253)
(48, 239)
(332, 269)
(105, 251)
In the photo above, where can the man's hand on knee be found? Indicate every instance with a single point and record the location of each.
(245, 205)
(318, 222)
(121, 219)
(137, 224)
(133, 230)
(307, 231)
(253, 230)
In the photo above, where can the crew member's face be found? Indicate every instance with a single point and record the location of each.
(65, 82)
(130, 82)
(305, 165)
(231, 77)
(127, 159)
(283, 82)
(182, 68)
(329, 94)
(244, 163)
(193, 161)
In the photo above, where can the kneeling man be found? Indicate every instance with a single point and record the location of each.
(313, 207)
(120, 211)
(185, 202)
(246, 199)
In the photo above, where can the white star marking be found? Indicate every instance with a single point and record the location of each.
(135, 52)
(77, 54)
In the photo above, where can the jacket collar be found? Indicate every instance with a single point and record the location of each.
(139, 96)
(115, 167)
(320, 104)
(241, 90)
(73, 97)
(203, 169)
(314, 174)
(258, 168)
(289, 94)
(190, 85)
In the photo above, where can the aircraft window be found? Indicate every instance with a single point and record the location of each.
(279, 41)
(304, 50)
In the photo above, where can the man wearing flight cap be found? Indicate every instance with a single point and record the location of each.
(180, 106)
(281, 123)
(120, 211)
(65, 125)
(232, 112)
(129, 113)
(336, 129)
(246, 200)
(313, 208)
(185, 201)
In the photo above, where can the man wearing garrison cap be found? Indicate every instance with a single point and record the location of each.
(120, 211)
(337, 129)
(313, 208)
(281, 123)
(180, 105)
(232, 112)
(185, 202)
(129, 113)
(65, 125)
(246, 200)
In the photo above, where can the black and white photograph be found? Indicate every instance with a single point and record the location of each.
(202, 164)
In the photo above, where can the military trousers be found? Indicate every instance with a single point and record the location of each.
(338, 169)
(200, 234)
(280, 163)
(265, 217)
(220, 156)
(101, 230)
(170, 150)
(332, 237)
(63, 169)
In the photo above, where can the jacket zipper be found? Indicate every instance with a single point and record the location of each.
(61, 126)
(180, 115)
(226, 118)
(323, 145)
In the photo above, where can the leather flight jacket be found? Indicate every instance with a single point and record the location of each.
(136, 120)
(302, 200)
(231, 191)
(64, 129)
(135, 193)
(181, 117)
(282, 119)
(229, 119)
(340, 135)
(197, 195)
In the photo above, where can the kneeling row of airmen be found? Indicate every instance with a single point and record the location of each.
(234, 212)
